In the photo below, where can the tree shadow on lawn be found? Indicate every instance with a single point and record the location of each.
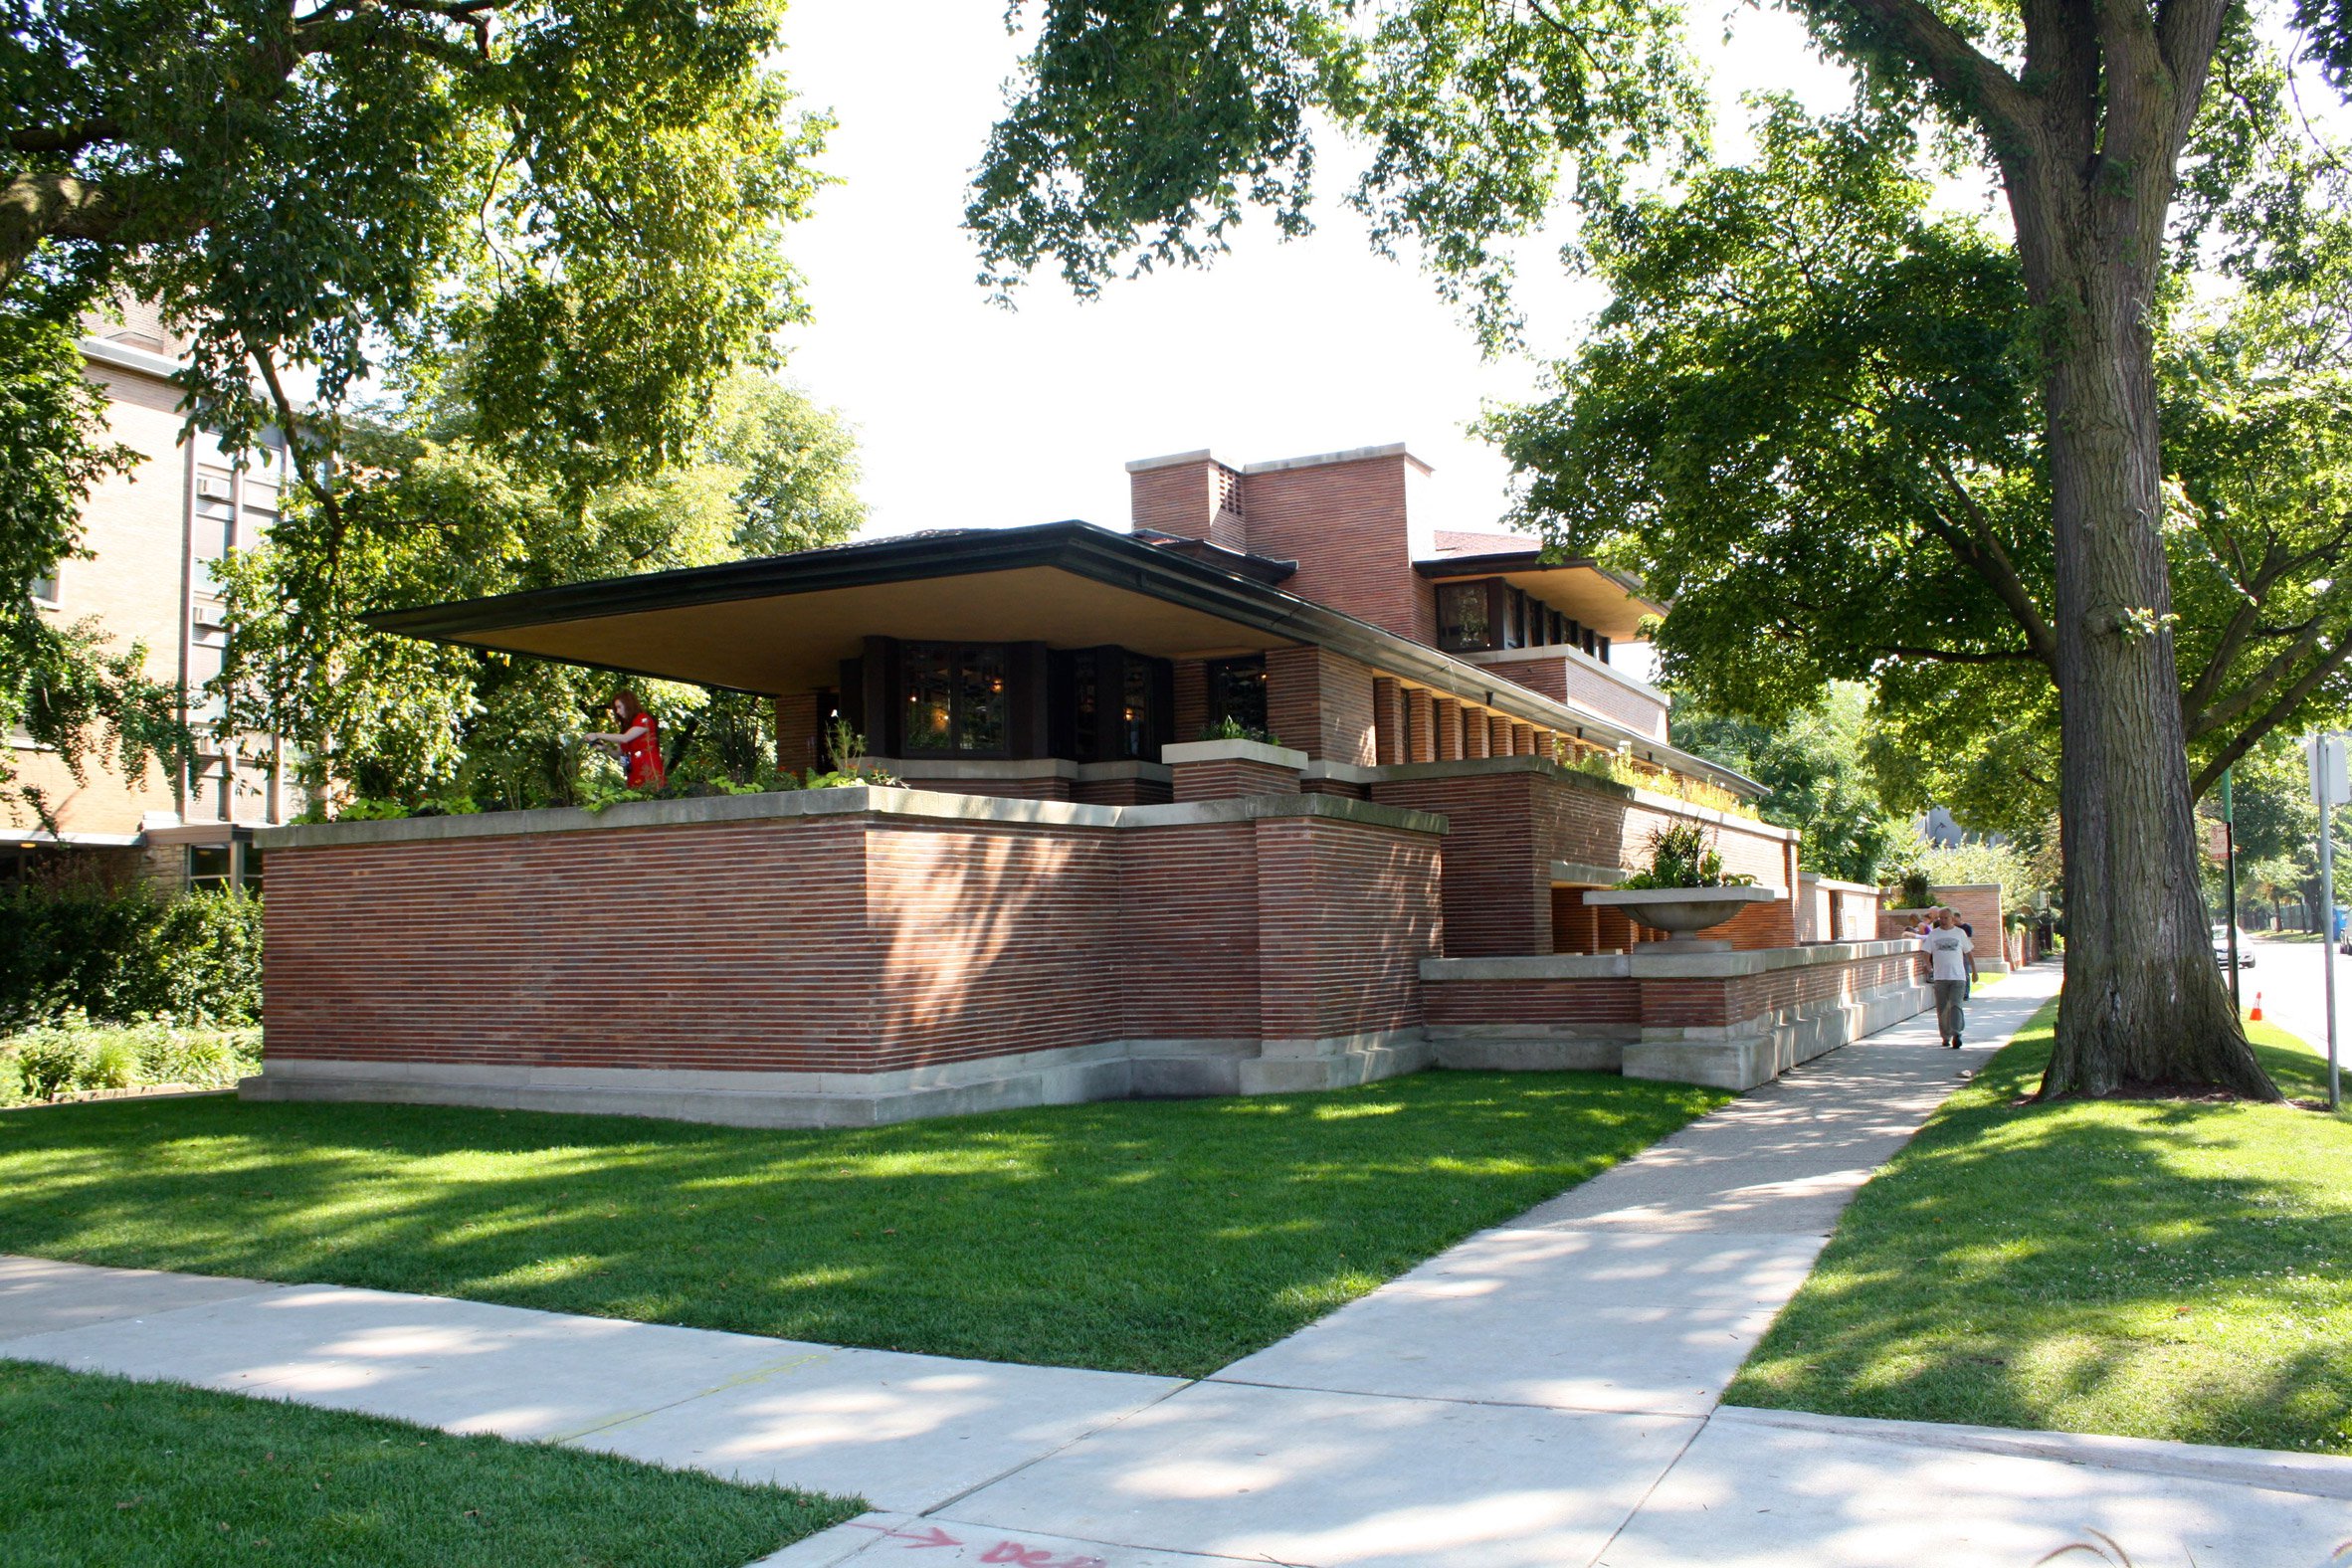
(1168, 1237)
(2154, 1268)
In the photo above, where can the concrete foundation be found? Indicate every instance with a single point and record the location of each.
(1114, 1070)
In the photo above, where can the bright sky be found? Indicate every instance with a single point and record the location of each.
(971, 415)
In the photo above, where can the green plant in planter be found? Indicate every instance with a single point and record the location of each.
(1230, 728)
(1685, 855)
(1914, 890)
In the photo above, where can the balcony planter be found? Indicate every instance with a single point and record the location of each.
(1681, 911)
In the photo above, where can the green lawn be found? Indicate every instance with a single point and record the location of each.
(101, 1469)
(2154, 1268)
(1168, 1237)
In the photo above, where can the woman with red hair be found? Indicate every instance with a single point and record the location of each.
(638, 742)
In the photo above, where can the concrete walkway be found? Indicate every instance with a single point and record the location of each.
(1542, 1394)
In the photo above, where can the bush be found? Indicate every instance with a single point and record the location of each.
(119, 955)
(74, 1054)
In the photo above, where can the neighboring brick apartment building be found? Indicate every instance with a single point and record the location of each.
(1084, 889)
(154, 533)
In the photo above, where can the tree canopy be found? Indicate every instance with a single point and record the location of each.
(567, 214)
(2094, 123)
(435, 511)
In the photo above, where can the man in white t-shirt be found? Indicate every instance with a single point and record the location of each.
(1951, 956)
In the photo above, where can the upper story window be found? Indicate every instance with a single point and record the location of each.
(1237, 692)
(45, 589)
(1465, 623)
(953, 699)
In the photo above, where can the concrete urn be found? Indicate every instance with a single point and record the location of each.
(1680, 913)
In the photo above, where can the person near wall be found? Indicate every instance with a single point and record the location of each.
(1951, 957)
(637, 743)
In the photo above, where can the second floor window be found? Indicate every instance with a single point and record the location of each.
(1464, 621)
(1237, 692)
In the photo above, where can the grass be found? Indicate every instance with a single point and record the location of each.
(1167, 1237)
(102, 1469)
(2152, 1268)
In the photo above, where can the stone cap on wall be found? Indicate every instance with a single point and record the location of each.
(1178, 753)
(1663, 966)
(862, 800)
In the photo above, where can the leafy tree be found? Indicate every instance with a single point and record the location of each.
(566, 213)
(435, 513)
(1815, 777)
(1140, 131)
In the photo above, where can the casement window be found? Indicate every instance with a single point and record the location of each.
(953, 699)
(1117, 706)
(1466, 622)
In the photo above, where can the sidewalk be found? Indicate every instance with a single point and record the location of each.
(1543, 1394)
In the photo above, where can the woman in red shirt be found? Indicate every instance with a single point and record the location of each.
(638, 742)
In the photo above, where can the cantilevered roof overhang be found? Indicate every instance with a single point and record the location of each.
(1609, 602)
(784, 623)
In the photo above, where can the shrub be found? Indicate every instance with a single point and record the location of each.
(75, 1054)
(1685, 855)
(117, 955)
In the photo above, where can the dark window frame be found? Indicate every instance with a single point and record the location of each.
(1252, 713)
(958, 672)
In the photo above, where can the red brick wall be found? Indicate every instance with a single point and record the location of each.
(1222, 780)
(1344, 918)
(1536, 674)
(1509, 827)
(799, 737)
(1344, 525)
(1121, 792)
(1662, 1004)
(843, 943)
(1320, 703)
(987, 937)
(1192, 699)
(1455, 1002)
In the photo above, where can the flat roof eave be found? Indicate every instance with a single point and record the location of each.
(704, 621)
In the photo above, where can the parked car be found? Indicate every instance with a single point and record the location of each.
(2220, 947)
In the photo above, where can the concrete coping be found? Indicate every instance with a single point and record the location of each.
(861, 800)
(1189, 751)
(1583, 874)
(1637, 965)
(1341, 772)
(1832, 884)
(982, 769)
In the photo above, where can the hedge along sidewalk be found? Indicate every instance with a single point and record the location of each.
(2149, 1268)
(103, 1470)
(1159, 1236)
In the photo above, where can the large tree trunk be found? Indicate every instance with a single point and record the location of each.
(2144, 1005)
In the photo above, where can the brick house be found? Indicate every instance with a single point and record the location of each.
(1076, 896)
(153, 534)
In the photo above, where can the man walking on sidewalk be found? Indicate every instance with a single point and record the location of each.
(1951, 956)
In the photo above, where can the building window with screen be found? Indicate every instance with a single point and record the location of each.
(951, 698)
(1464, 622)
(1237, 694)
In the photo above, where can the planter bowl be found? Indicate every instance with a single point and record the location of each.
(1681, 911)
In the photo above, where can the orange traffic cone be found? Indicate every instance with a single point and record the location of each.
(2256, 1016)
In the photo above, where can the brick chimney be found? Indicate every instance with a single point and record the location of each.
(1341, 515)
(1189, 495)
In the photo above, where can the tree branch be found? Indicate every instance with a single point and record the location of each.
(1962, 656)
(2271, 718)
(1990, 95)
(1990, 561)
(51, 206)
(2207, 720)
(68, 140)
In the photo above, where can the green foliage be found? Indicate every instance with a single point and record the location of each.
(117, 955)
(72, 1052)
(1232, 728)
(440, 511)
(1168, 1237)
(1685, 855)
(142, 1475)
(1139, 133)
(1812, 763)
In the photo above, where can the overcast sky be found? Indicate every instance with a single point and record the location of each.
(971, 415)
